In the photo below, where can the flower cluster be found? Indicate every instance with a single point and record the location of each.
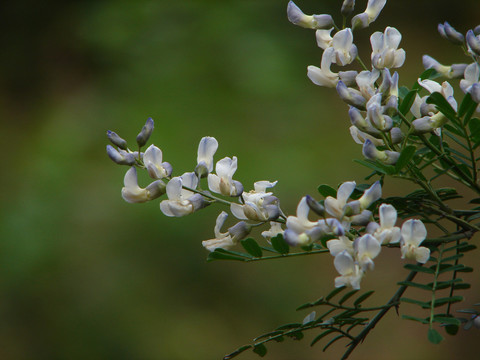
(184, 192)
(344, 220)
(372, 93)
(340, 219)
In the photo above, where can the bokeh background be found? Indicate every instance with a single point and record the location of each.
(84, 275)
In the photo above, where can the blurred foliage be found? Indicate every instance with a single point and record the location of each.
(83, 275)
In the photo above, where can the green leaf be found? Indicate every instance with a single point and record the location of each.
(377, 166)
(251, 246)
(347, 296)
(462, 286)
(335, 292)
(414, 284)
(466, 247)
(452, 258)
(362, 298)
(405, 156)
(279, 244)
(289, 326)
(222, 254)
(419, 268)
(407, 102)
(467, 108)
(413, 318)
(423, 304)
(332, 341)
(326, 190)
(442, 105)
(237, 352)
(320, 336)
(260, 350)
(447, 300)
(452, 329)
(446, 320)
(434, 336)
(474, 126)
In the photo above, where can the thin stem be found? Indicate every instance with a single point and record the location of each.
(391, 303)
(208, 196)
(312, 252)
(434, 288)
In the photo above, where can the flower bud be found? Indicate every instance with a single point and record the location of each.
(156, 189)
(120, 157)
(198, 202)
(240, 230)
(475, 92)
(348, 77)
(315, 206)
(473, 42)
(116, 140)
(347, 7)
(476, 30)
(452, 35)
(371, 152)
(360, 21)
(350, 96)
(144, 135)
(397, 135)
(297, 17)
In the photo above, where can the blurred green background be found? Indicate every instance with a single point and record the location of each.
(84, 275)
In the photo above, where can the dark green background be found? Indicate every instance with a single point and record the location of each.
(84, 275)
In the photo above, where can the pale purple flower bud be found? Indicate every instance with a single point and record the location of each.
(297, 17)
(397, 135)
(156, 189)
(452, 35)
(374, 7)
(347, 7)
(476, 30)
(144, 135)
(371, 152)
(116, 140)
(350, 96)
(348, 77)
(360, 21)
(240, 230)
(120, 157)
(473, 42)
(475, 92)
(315, 206)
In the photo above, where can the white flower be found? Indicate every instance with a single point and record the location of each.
(336, 207)
(300, 230)
(342, 43)
(133, 193)
(222, 183)
(366, 82)
(450, 72)
(375, 114)
(336, 246)
(386, 232)
(374, 7)
(371, 152)
(359, 137)
(384, 49)
(153, 162)
(473, 42)
(275, 229)
(413, 234)
(259, 205)
(297, 17)
(206, 149)
(471, 76)
(323, 76)
(445, 89)
(350, 272)
(227, 239)
(181, 201)
(366, 249)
